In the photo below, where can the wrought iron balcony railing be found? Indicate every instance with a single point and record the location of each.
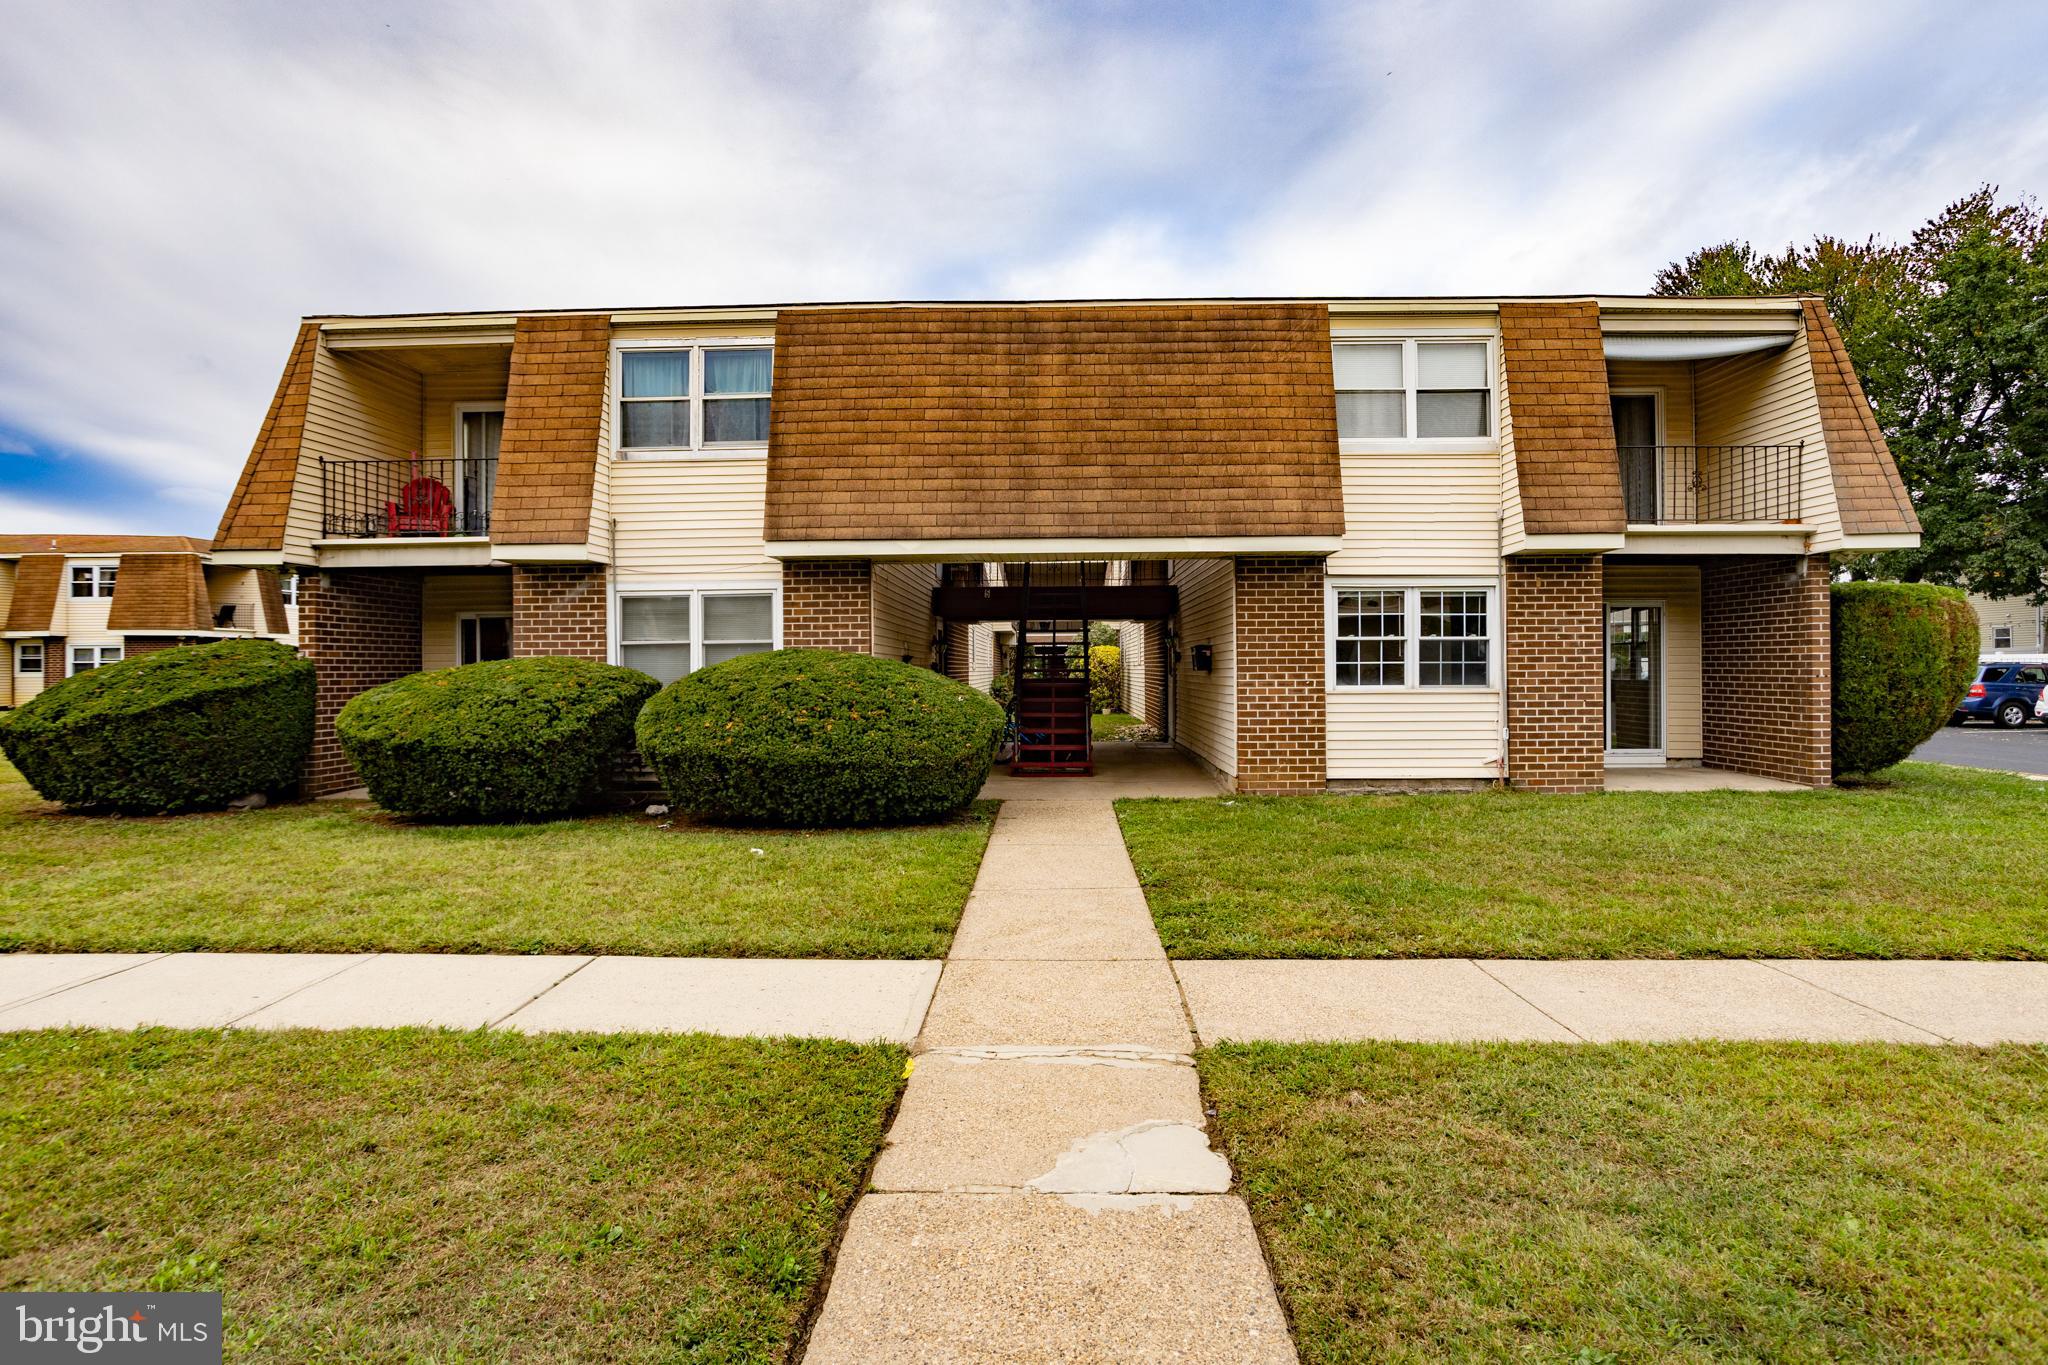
(1687, 484)
(367, 499)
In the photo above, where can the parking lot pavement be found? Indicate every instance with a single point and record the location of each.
(2024, 750)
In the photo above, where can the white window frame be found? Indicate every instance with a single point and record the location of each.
(1998, 644)
(1411, 620)
(696, 592)
(99, 658)
(23, 648)
(288, 587)
(1409, 338)
(458, 444)
(102, 580)
(1652, 757)
(462, 616)
(697, 449)
(1656, 396)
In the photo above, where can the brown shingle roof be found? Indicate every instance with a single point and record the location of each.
(160, 592)
(256, 511)
(976, 423)
(547, 458)
(36, 579)
(270, 588)
(1871, 495)
(1565, 457)
(102, 545)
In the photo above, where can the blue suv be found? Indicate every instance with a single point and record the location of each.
(2004, 693)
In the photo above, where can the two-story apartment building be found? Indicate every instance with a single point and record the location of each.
(74, 602)
(1355, 540)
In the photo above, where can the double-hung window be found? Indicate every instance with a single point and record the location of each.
(288, 587)
(1413, 388)
(1411, 636)
(92, 580)
(668, 635)
(28, 657)
(85, 658)
(697, 397)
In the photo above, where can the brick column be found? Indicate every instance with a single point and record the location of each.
(558, 609)
(828, 604)
(1281, 731)
(1555, 656)
(56, 660)
(361, 629)
(1765, 654)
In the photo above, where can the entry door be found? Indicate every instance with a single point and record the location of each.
(1635, 682)
(478, 432)
(1635, 434)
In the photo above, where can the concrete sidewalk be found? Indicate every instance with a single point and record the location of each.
(1465, 1000)
(857, 1001)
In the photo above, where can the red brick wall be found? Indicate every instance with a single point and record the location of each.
(827, 604)
(1556, 672)
(56, 660)
(1766, 703)
(558, 609)
(361, 629)
(1281, 727)
(132, 645)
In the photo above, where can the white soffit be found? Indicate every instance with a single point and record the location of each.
(1646, 347)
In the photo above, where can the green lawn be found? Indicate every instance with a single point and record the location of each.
(1674, 1202)
(1107, 725)
(340, 876)
(440, 1196)
(1935, 862)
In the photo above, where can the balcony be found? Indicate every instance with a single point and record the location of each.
(1672, 485)
(406, 499)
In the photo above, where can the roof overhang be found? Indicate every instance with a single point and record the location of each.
(978, 551)
(1870, 543)
(1591, 544)
(1717, 538)
(1649, 346)
(453, 552)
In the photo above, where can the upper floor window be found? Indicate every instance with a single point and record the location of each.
(92, 580)
(2001, 637)
(1400, 388)
(694, 397)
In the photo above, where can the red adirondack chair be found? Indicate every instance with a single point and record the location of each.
(424, 506)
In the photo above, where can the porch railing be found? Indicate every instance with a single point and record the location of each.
(370, 499)
(1686, 484)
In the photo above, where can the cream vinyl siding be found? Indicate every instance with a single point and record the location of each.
(1768, 399)
(441, 392)
(1673, 382)
(7, 665)
(1205, 716)
(1397, 733)
(981, 655)
(1420, 512)
(690, 519)
(1511, 533)
(600, 536)
(901, 595)
(358, 406)
(2025, 619)
(446, 596)
(82, 620)
(1130, 638)
(1677, 586)
(239, 588)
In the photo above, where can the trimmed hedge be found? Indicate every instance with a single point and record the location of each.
(817, 738)
(188, 728)
(1904, 656)
(509, 739)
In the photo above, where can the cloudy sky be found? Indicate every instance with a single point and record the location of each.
(180, 181)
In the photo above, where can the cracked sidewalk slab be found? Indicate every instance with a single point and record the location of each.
(1155, 1156)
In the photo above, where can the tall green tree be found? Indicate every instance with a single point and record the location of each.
(1949, 335)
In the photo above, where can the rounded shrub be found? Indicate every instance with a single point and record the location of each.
(188, 728)
(816, 738)
(509, 739)
(1904, 656)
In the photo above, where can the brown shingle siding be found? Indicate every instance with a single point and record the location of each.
(944, 423)
(36, 580)
(160, 592)
(1565, 460)
(257, 509)
(554, 406)
(1871, 495)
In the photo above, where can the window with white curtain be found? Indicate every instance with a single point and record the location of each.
(700, 397)
(1411, 636)
(670, 635)
(85, 658)
(1407, 387)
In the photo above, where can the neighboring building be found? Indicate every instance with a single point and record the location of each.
(1401, 541)
(72, 603)
(2011, 625)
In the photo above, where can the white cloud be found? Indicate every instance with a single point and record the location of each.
(20, 516)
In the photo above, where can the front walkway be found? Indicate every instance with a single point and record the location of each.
(1692, 777)
(1121, 770)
